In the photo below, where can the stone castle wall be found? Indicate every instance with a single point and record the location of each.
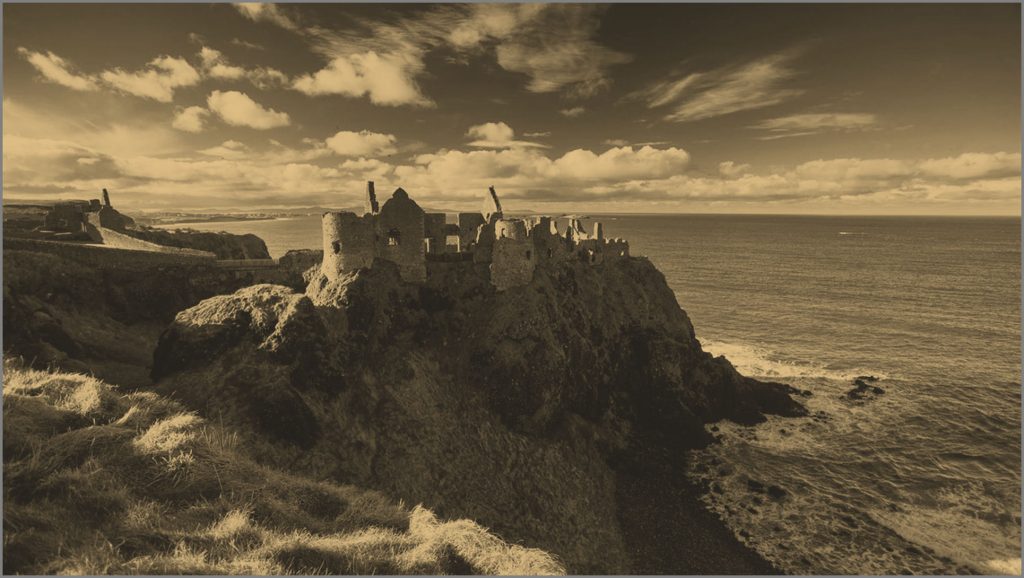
(511, 248)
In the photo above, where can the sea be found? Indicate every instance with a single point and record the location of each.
(924, 478)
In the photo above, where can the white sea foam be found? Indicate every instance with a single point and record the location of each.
(757, 361)
(1006, 566)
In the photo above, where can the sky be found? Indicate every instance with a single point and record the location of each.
(816, 109)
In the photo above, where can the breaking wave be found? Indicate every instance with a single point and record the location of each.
(759, 362)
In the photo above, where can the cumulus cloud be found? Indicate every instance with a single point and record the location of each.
(237, 109)
(361, 144)
(732, 169)
(572, 112)
(55, 69)
(813, 123)
(266, 12)
(699, 95)
(497, 135)
(190, 119)
(157, 80)
(386, 79)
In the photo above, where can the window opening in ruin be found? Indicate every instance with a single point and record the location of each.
(336, 247)
(394, 238)
(529, 254)
(550, 253)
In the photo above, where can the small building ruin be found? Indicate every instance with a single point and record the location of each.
(401, 232)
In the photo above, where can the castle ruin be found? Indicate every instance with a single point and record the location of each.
(401, 232)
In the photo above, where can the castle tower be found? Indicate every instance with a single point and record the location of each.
(370, 206)
(598, 231)
(106, 198)
(348, 243)
(492, 206)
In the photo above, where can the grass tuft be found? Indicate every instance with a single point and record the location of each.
(97, 482)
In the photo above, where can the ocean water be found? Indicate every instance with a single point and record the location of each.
(924, 478)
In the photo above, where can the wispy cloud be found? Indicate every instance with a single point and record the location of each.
(156, 81)
(56, 69)
(814, 123)
(552, 45)
(266, 12)
(700, 95)
(572, 112)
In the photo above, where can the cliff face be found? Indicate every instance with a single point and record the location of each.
(103, 314)
(531, 411)
(224, 245)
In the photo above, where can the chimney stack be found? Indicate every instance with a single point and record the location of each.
(106, 198)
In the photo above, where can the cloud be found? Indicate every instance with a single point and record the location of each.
(361, 144)
(973, 166)
(732, 169)
(157, 81)
(237, 109)
(266, 12)
(518, 172)
(551, 44)
(190, 119)
(537, 134)
(813, 123)
(246, 44)
(56, 69)
(229, 149)
(386, 79)
(572, 112)
(700, 95)
(216, 65)
(497, 135)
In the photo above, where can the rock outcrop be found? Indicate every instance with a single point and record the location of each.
(533, 411)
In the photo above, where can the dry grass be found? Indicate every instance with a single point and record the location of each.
(96, 482)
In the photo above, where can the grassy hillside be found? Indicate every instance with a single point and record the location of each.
(97, 482)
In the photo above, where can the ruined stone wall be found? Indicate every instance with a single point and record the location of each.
(512, 262)
(435, 232)
(469, 224)
(349, 243)
(400, 236)
(551, 247)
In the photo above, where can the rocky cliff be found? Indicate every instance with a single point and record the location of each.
(557, 414)
(224, 245)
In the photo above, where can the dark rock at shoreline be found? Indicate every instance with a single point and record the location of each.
(863, 389)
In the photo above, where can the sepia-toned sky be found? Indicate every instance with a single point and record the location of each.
(835, 109)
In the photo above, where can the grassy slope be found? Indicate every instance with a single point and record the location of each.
(96, 482)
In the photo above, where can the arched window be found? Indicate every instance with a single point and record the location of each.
(394, 238)
(336, 247)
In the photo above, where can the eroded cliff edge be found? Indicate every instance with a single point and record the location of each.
(551, 413)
